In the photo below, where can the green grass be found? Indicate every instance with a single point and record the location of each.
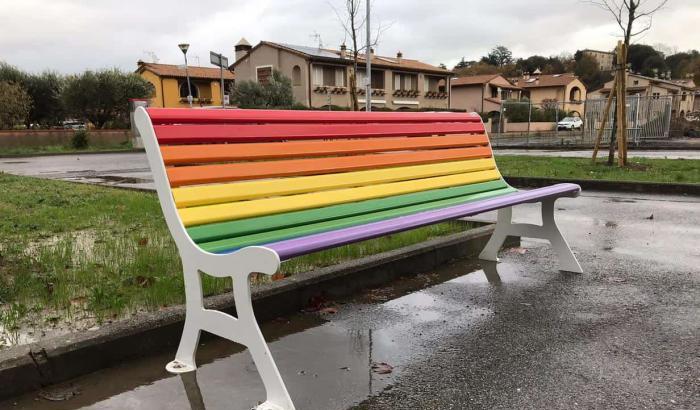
(71, 251)
(638, 169)
(62, 149)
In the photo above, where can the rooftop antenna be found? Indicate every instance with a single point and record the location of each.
(153, 57)
(317, 38)
(196, 58)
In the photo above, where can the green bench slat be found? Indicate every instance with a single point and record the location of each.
(309, 229)
(232, 229)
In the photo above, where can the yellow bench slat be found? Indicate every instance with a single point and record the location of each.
(246, 209)
(238, 191)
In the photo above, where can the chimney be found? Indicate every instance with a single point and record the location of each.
(242, 48)
(399, 56)
(343, 51)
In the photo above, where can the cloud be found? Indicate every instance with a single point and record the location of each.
(73, 35)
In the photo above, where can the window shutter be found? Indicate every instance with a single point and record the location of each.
(339, 77)
(318, 75)
(397, 81)
(360, 78)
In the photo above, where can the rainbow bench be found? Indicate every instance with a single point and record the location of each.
(242, 190)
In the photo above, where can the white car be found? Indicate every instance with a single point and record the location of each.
(570, 123)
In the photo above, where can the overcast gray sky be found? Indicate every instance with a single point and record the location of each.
(73, 35)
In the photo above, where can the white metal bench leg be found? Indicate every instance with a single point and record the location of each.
(242, 329)
(185, 357)
(548, 230)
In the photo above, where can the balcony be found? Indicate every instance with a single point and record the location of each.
(406, 93)
(441, 95)
(378, 92)
(330, 89)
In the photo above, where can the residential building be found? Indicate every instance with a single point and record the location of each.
(565, 90)
(682, 92)
(320, 76)
(482, 93)
(170, 84)
(605, 59)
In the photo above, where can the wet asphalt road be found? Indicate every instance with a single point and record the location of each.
(517, 335)
(130, 170)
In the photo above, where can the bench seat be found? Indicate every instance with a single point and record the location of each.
(290, 248)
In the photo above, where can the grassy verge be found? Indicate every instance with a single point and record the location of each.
(62, 149)
(638, 169)
(73, 255)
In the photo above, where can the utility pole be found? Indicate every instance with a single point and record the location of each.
(368, 77)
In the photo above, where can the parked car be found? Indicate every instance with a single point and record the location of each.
(570, 123)
(73, 125)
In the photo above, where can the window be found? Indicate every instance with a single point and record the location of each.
(296, 75)
(684, 96)
(331, 76)
(494, 92)
(184, 90)
(405, 82)
(636, 82)
(264, 74)
(655, 95)
(377, 79)
(432, 83)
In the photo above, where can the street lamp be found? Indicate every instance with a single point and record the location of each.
(184, 47)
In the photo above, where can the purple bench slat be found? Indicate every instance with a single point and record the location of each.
(301, 246)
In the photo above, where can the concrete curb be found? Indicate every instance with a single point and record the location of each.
(57, 154)
(29, 367)
(607, 185)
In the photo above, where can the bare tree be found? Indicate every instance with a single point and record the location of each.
(352, 18)
(628, 12)
(634, 17)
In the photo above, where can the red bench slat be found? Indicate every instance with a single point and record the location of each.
(161, 116)
(220, 133)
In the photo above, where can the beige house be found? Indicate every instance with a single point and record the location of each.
(482, 93)
(605, 59)
(320, 76)
(682, 92)
(566, 90)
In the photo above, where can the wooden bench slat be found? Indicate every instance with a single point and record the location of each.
(199, 154)
(245, 209)
(204, 174)
(290, 248)
(228, 245)
(232, 229)
(198, 195)
(228, 133)
(180, 116)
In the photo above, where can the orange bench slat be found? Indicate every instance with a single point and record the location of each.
(204, 174)
(189, 154)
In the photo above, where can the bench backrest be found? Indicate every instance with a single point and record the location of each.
(238, 172)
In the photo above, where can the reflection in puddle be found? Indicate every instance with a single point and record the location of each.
(326, 366)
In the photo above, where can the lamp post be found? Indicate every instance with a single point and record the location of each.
(368, 69)
(184, 47)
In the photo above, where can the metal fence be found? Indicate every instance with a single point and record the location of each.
(647, 118)
(520, 123)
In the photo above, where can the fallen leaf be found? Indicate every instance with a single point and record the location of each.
(650, 217)
(328, 310)
(143, 241)
(382, 368)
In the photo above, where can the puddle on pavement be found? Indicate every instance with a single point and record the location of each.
(326, 360)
